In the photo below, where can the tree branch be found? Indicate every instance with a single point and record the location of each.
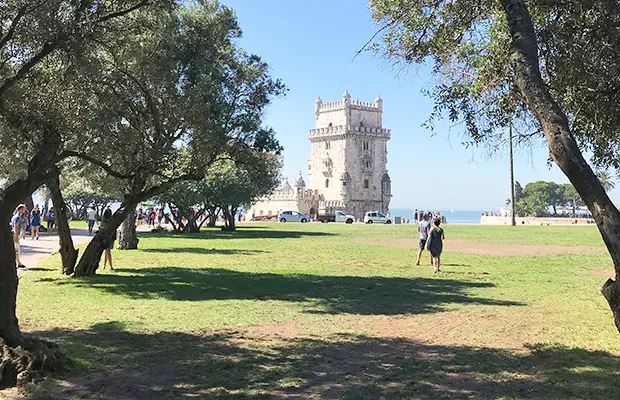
(93, 160)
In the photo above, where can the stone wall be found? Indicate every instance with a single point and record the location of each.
(535, 221)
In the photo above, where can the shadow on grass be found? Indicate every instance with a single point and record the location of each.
(118, 364)
(201, 250)
(323, 294)
(241, 233)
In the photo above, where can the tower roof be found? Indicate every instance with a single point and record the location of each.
(300, 181)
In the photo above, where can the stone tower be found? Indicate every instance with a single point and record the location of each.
(348, 159)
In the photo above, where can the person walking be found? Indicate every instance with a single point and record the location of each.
(91, 216)
(435, 245)
(106, 218)
(423, 228)
(16, 222)
(35, 222)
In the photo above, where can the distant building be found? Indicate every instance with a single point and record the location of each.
(347, 168)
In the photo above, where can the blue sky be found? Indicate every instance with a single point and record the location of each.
(310, 46)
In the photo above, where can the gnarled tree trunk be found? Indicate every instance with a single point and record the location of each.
(89, 262)
(562, 145)
(229, 217)
(21, 357)
(212, 217)
(68, 252)
(128, 238)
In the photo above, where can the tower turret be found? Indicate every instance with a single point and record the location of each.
(317, 106)
(379, 102)
(300, 185)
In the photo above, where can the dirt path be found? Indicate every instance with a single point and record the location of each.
(493, 249)
(34, 251)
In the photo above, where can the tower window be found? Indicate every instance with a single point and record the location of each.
(365, 183)
(327, 145)
(326, 183)
(330, 125)
(367, 164)
(344, 183)
(365, 145)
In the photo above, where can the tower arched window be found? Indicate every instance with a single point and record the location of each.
(365, 183)
(326, 183)
(330, 125)
(367, 164)
(366, 146)
(327, 145)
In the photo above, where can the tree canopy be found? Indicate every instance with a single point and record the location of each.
(551, 67)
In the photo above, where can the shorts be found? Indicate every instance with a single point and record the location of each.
(423, 243)
(17, 248)
(91, 223)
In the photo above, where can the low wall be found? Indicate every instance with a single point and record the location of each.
(535, 221)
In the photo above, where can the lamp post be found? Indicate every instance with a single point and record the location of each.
(512, 177)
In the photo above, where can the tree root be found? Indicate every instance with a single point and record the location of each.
(29, 361)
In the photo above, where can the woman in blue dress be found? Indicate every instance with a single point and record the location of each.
(35, 221)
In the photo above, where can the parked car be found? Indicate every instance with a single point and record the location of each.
(292, 216)
(372, 217)
(338, 217)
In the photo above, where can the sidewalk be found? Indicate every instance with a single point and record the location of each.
(34, 251)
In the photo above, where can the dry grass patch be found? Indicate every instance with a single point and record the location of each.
(492, 249)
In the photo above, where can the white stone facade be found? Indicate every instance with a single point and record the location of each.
(347, 168)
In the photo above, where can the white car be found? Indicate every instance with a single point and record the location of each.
(292, 216)
(346, 218)
(372, 217)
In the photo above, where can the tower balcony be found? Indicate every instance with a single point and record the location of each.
(348, 130)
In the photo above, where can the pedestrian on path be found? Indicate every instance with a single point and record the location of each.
(424, 228)
(435, 244)
(91, 216)
(16, 222)
(35, 222)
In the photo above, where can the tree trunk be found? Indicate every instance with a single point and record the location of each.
(562, 145)
(89, 262)
(229, 216)
(212, 217)
(10, 197)
(29, 202)
(68, 253)
(128, 238)
(9, 328)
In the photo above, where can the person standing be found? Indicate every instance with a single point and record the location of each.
(51, 219)
(423, 228)
(435, 246)
(23, 227)
(109, 242)
(160, 216)
(16, 222)
(416, 217)
(35, 222)
(91, 215)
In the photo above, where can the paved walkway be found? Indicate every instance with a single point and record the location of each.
(34, 251)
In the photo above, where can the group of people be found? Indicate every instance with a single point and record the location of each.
(151, 215)
(22, 220)
(431, 238)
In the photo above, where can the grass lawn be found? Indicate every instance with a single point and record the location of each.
(335, 311)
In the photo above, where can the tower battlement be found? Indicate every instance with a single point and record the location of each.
(348, 129)
(348, 112)
(341, 104)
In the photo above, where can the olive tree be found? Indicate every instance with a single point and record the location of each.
(553, 66)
